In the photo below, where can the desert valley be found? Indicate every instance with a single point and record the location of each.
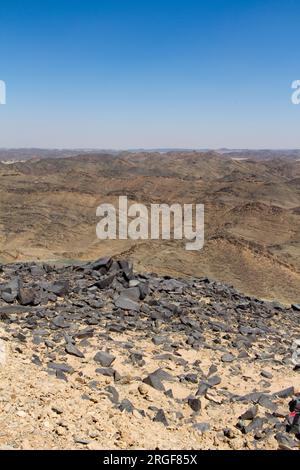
(252, 212)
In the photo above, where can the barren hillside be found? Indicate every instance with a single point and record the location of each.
(252, 221)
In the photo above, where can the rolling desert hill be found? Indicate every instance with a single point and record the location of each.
(252, 218)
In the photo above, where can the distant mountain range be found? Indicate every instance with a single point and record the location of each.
(19, 154)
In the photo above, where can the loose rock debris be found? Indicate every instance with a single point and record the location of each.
(95, 356)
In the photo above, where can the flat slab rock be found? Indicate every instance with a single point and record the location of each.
(126, 303)
(104, 358)
(71, 349)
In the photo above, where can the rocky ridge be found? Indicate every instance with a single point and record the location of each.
(93, 355)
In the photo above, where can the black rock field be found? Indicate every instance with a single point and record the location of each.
(96, 356)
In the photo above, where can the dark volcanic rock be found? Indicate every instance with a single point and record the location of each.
(61, 375)
(285, 393)
(137, 358)
(85, 333)
(101, 263)
(266, 402)
(154, 382)
(256, 425)
(203, 387)
(126, 303)
(194, 403)
(266, 374)
(14, 309)
(133, 293)
(250, 413)
(227, 358)
(212, 370)
(160, 417)
(10, 291)
(59, 288)
(156, 378)
(114, 396)
(285, 441)
(105, 282)
(157, 340)
(104, 358)
(108, 371)
(192, 378)
(26, 296)
(214, 380)
(61, 367)
(201, 427)
(71, 349)
(126, 405)
(296, 307)
(60, 322)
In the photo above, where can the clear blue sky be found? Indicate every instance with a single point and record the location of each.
(159, 73)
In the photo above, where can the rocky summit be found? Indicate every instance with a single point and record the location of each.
(96, 356)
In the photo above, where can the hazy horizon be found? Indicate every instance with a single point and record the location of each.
(153, 149)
